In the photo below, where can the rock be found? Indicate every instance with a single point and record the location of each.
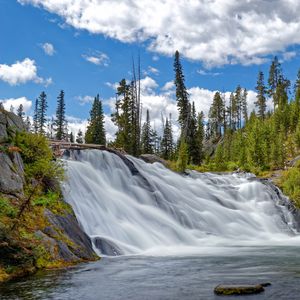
(294, 161)
(81, 245)
(107, 247)
(227, 290)
(152, 158)
(12, 176)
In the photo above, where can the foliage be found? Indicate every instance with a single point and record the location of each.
(182, 160)
(7, 209)
(290, 183)
(60, 121)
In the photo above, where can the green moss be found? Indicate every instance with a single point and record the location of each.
(7, 209)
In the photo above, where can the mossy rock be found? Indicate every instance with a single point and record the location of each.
(227, 290)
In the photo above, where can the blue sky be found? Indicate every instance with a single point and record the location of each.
(49, 45)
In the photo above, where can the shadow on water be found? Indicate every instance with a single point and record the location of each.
(170, 277)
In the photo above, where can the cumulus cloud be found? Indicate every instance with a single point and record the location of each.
(98, 58)
(215, 32)
(21, 72)
(48, 48)
(74, 124)
(15, 103)
(84, 99)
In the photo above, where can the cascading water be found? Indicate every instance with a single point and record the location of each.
(128, 206)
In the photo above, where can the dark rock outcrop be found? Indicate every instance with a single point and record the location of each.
(227, 290)
(11, 165)
(152, 158)
(107, 247)
(77, 245)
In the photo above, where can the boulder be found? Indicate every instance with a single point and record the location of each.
(80, 246)
(152, 158)
(11, 174)
(234, 289)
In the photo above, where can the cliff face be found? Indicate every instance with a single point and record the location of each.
(45, 237)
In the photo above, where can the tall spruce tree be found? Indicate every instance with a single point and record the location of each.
(79, 137)
(20, 111)
(261, 98)
(167, 146)
(147, 136)
(95, 133)
(42, 106)
(181, 95)
(60, 120)
(275, 76)
(216, 115)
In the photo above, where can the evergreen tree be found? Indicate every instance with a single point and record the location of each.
(95, 133)
(60, 121)
(20, 111)
(167, 141)
(79, 137)
(191, 139)
(200, 135)
(245, 105)
(36, 116)
(181, 94)
(27, 124)
(41, 112)
(216, 115)
(147, 136)
(261, 98)
(275, 75)
(71, 137)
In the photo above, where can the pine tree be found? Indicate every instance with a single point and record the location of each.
(147, 136)
(27, 124)
(60, 121)
(200, 135)
(191, 138)
(167, 141)
(20, 111)
(181, 94)
(41, 113)
(95, 133)
(36, 116)
(216, 115)
(71, 137)
(79, 137)
(261, 98)
(275, 75)
(245, 105)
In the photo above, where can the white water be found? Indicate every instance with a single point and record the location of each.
(161, 212)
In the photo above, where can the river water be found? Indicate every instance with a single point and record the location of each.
(174, 236)
(168, 277)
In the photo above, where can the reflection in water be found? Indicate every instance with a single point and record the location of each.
(170, 278)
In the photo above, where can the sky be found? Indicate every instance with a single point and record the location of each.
(85, 47)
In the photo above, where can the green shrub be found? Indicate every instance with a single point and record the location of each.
(290, 182)
(7, 209)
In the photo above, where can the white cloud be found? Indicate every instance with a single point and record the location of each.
(152, 70)
(85, 99)
(98, 58)
(21, 72)
(74, 124)
(206, 73)
(48, 48)
(215, 32)
(15, 102)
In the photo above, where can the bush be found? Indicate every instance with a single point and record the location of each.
(290, 182)
(7, 209)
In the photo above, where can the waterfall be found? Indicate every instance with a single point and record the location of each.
(128, 206)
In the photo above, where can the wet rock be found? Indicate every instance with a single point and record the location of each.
(107, 247)
(80, 244)
(152, 158)
(227, 290)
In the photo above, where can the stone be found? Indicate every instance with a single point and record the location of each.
(235, 289)
(152, 158)
(69, 226)
(11, 175)
(107, 247)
